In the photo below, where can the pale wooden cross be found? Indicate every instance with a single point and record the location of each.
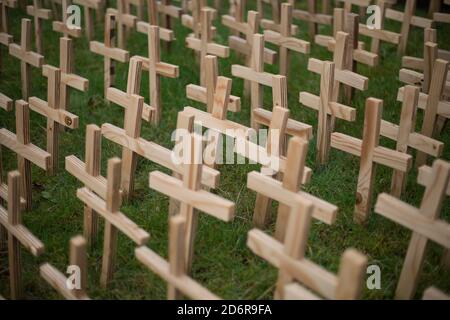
(124, 20)
(57, 116)
(38, 14)
(194, 21)
(406, 137)
(109, 51)
(255, 75)
(89, 6)
(434, 6)
(286, 40)
(160, 13)
(115, 220)
(139, 5)
(156, 69)
(68, 78)
(77, 257)
(5, 5)
(380, 35)
(165, 34)
(275, 9)
(205, 45)
(268, 24)
(370, 153)
(441, 16)
(27, 153)
(432, 293)
(27, 57)
(62, 26)
(408, 20)
(295, 270)
(173, 271)
(361, 4)
(424, 222)
(89, 173)
(206, 93)
(18, 235)
(6, 103)
(295, 175)
(244, 46)
(190, 194)
(237, 11)
(311, 16)
(327, 104)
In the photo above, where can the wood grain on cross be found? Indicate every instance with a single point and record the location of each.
(62, 26)
(38, 14)
(18, 235)
(166, 35)
(285, 39)
(255, 75)
(173, 271)
(27, 57)
(89, 173)
(311, 16)
(205, 45)
(161, 13)
(192, 198)
(109, 51)
(68, 78)
(27, 153)
(156, 69)
(205, 94)
(89, 6)
(425, 223)
(56, 115)
(77, 258)
(406, 137)
(194, 21)
(327, 104)
(371, 154)
(123, 20)
(295, 270)
(115, 220)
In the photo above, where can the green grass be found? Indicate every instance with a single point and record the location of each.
(222, 263)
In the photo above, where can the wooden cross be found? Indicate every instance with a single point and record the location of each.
(244, 46)
(379, 35)
(124, 20)
(275, 6)
(5, 5)
(433, 293)
(295, 174)
(27, 153)
(115, 220)
(62, 27)
(58, 280)
(194, 21)
(237, 11)
(285, 39)
(27, 57)
(109, 51)
(18, 235)
(173, 271)
(255, 75)
(371, 154)
(166, 10)
(205, 45)
(39, 14)
(407, 19)
(206, 93)
(156, 69)
(88, 172)
(361, 4)
(190, 195)
(327, 104)
(68, 78)
(440, 16)
(139, 4)
(311, 16)
(6, 102)
(56, 115)
(289, 255)
(406, 136)
(164, 33)
(268, 24)
(89, 6)
(424, 222)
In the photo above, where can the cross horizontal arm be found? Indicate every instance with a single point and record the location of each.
(202, 200)
(117, 219)
(124, 100)
(126, 19)
(359, 55)
(198, 93)
(295, 291)
(60, 116)
(425, 175)
(156, 153)
(211, 48)
(6, 103)
(162, 68)
(242, 46)
(93, 4)
(164, 34)
(61, 27)
(263, 78)
(316, 18)
(5, 38)
(411, 218)
(443, 108)
(70, 79)
(273, 189)
(41, 13)
(162, 268)
(29, 57)
(384, 156)
(170, 10)
(291, 43)
(268, 24)
(415, 20)
(334, 108)
(59, 282)
(383, 35)
(20, 232)
(29, 151)
(112, 53)
(293, 127)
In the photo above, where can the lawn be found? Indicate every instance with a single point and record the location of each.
(222, 262)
